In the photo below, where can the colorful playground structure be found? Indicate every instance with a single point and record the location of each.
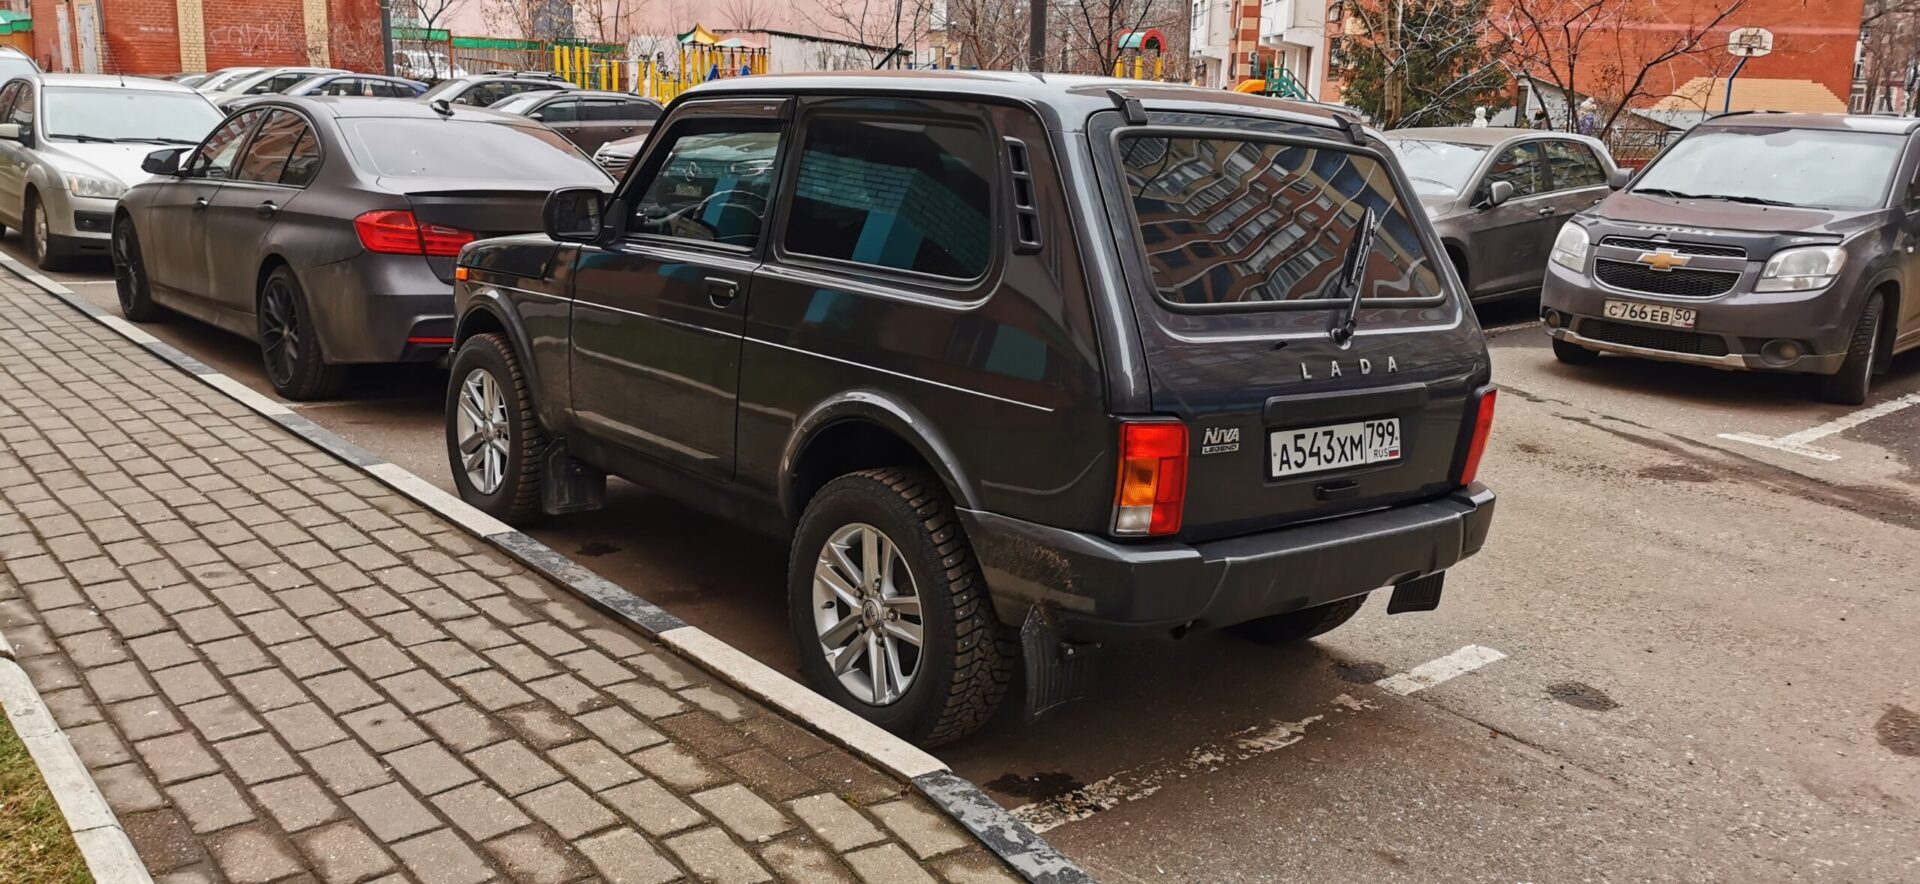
(700, 55)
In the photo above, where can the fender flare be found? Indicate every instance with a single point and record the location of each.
(488, 300)
(898, 418)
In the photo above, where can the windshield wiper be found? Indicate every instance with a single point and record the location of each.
(1756, 200)
(1352, 273)
(1661, 191)
(85, 139)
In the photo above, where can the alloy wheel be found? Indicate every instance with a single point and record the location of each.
(41, 236)
(126, 265)
(280, 332)
(484, 431)
(867, 613)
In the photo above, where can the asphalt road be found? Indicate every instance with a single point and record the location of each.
(1681, 656)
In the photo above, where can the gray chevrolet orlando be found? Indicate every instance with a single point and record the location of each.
(1017, 366)
(1770, 242)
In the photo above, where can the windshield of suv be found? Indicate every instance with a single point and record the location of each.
(220, 79)
(1437, 168)
(129, 115)
(1227, 221)
(517, 104)
(420, 148)
(441, 88)
(1816, 168)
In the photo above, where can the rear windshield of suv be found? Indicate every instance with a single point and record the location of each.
(1229, 221)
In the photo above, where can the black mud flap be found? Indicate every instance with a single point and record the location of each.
(1418, 594)
(568, 485)
(1058, 672)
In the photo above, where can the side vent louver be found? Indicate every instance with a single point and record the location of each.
(1026, 211)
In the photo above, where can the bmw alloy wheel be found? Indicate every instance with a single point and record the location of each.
(483, 430)
(280, 332)
(867, 613)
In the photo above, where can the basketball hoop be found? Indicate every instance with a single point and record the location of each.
(1750, 42)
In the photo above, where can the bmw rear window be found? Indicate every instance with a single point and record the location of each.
(1228, 221)
(410, 147)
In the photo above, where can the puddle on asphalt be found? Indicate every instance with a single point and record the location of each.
(1360, 672)
(596, 548)
(1037, 787)
(1899, 730)
(1581, 695)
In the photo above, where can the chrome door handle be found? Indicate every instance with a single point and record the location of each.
(1546, 212)
(199, 202)
(721, 292)
(266, 209)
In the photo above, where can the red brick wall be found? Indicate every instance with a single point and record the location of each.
(142, 36)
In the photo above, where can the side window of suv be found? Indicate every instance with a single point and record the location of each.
(1519, 166)
(1574, 165)
(901, 195)
(713, 184)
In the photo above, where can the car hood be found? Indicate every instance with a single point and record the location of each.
(122, 161)
(1722, 215)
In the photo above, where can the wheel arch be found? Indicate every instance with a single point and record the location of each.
(486, 311)
(1888, 288)
(861, 430)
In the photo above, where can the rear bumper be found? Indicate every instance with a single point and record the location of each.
(1097, 589)
(380, 308)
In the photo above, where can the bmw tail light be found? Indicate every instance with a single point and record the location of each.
(392, 232)
(1151, 493)
(1477, 446)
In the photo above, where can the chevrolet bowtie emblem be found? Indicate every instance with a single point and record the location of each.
(1663, 260)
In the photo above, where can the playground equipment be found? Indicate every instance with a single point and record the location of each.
(700, 56)
(1272, 79)
(1141, 52)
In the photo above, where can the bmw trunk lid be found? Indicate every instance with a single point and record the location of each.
(1296, 315)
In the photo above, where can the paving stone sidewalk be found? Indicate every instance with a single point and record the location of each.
(277, 668)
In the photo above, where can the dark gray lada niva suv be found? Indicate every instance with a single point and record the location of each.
(1764, 241)
(1019, 366)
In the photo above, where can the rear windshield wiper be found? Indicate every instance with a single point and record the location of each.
(1353, 272)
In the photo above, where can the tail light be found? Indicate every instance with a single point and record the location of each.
(399, 233)
(1482, 427)
(1152, 489)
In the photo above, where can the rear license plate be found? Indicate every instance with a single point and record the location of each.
(1651, 314)
(1313, 449)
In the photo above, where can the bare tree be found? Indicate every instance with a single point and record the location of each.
(1605, 49)
(1890, 43)
(1417, 62)
(427, 16)
(885, 23)
(1089, 31)
(986, 34)
(753, 15)
(510, 18)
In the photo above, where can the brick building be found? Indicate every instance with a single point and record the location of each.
(158, 37)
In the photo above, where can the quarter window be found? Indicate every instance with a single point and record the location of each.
(565, 110)
(215, 157)
(713, 184)
(901, 195)
(1519, 166)
(1574, 166)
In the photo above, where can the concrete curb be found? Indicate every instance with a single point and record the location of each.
(104, 846)
(962, 801)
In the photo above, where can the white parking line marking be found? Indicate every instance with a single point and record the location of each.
(1797, 443)
(1433, 672)
(1240, 746)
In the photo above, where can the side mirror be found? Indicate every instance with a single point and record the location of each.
(575, 214)
(1497, 192)
(1618, 178)
(165, 163)
(538, 115)
(9, 131)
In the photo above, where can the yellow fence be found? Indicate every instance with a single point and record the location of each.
(661, 80)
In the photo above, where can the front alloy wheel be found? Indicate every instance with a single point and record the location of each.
(867, 613)
(484, 431)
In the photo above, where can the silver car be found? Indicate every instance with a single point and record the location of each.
(266, 81)
(71, 144)
(1498, 197)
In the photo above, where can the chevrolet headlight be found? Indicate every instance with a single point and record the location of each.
(1570, 247)
(95, 186)
(1802, 270)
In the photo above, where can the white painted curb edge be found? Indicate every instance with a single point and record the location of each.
(108, 851)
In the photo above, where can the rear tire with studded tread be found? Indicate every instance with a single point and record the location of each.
(968, 659)
(517, 500)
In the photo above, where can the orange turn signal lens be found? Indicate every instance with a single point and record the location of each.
(1150, 495)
